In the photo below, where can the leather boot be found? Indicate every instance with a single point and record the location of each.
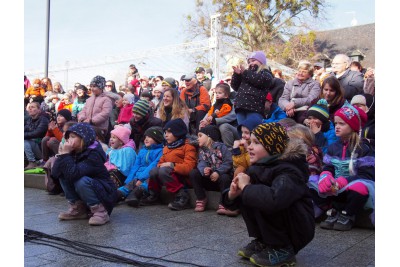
(76, 211)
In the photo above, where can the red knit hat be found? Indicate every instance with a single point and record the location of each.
(269, 97)
(353, 116)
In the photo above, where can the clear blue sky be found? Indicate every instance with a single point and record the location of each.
(91, 29)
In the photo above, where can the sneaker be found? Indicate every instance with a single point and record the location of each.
(344, 222)
(181, 201)
(254, 246)
(221, 210)
(274, 257)
(200, 205)
(31, 165)
(330, 221)
(151, 198)
(224, 211)
(134, 197)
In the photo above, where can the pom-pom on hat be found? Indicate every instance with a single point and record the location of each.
(141, 107)
(177, 127)
(353, 116)
(122, 133)
(319, 111)
(211, 131)
(272, 136)
(66, 114)
(98, 81)
(156, 133)
(259, 56)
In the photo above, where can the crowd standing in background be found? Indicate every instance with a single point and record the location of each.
(256, 136)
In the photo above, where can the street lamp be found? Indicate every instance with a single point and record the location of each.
(357, 55)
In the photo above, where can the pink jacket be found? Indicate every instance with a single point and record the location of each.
(98, 109)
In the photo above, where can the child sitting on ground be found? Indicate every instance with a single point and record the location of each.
(148, 157)
(273, 197)
(272, 112)
(178, 159)
(83, 176)
(214, 168)
(347, 183)
(121, 155)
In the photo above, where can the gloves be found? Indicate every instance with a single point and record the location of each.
(341, 182)
(325, 182)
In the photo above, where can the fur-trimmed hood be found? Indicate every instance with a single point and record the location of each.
(295, 149)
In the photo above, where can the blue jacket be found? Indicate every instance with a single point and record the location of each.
(123, 158)
(147, 159)
(275, 114)
(324, 139)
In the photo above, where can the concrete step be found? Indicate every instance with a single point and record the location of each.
(38, 181)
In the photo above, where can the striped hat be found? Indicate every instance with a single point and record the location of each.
(319, 111)
(141, 107)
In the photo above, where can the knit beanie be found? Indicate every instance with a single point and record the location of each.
(141, 107)
(98, 81)
(122, 133)
(272, 136)
(83, 130)
(358, 99)
(169, 82)
(353, 116)
(259, 56)
(65, 113)
(211, 131)
(155, 132)
(319, 111)
(250, 123)
(177, 127)
(129, 97)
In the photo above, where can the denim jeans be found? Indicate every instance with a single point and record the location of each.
(80, 190)
(32, 150)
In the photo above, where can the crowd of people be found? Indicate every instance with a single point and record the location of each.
(283, 153)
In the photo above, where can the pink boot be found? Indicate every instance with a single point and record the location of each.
(100, 215)
(76, 211)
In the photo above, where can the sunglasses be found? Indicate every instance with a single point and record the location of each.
(108, 85)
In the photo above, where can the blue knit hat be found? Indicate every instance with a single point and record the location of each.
(83, 130)
(250, 123)
(177, 127)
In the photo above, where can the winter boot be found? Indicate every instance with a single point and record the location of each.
(100, 215)
(181, 201)
(344, 222)
(151, 198)
(135, 196)
(76, 211)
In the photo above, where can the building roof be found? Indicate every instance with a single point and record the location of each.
(347, 40)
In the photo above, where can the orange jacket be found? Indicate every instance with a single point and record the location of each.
(55, 133)
(197, 98)
(184, 158)
(224, 107)
(39, 91)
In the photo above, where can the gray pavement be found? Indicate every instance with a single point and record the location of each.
(205, 239)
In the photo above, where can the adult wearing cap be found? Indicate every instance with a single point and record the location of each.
(98, 107)
(144, 85)
(252, 85)
(142, 119)
(202, 78)
(197, 99)
(351, 81)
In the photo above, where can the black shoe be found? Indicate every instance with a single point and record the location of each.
(120, 196)
(181, 201)
(152, 198)
(134, 197)
(254, 246)
(274, 257)
(333, 215)
(344, 222)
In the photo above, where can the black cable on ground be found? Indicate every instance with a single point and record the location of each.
(90, 250)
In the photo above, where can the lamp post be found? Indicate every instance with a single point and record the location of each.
(46, 67)
(356, 55)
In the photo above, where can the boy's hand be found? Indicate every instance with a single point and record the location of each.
(315, 127)
(207, 171)
(234, 190)
(214, 176)
(138, 183)
(243, 180)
